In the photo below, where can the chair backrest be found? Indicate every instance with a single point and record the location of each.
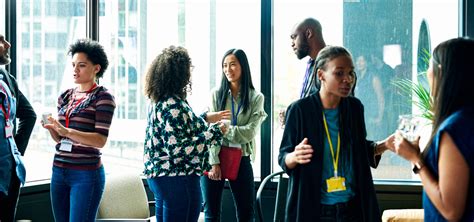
(124, 197)
(280, 198)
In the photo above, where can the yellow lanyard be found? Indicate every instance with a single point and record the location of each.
(334, 160)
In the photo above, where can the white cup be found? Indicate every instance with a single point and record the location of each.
(45, 116)
(226, 123)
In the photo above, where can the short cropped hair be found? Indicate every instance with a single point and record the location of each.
(94, 51)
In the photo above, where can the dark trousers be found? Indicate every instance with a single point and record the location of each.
(341, 212)
(243, 191)
(8, 203)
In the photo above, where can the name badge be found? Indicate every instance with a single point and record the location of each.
(235, 145)
(336, 184)
(66, 145)
(8, 130)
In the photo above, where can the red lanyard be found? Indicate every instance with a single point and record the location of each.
(73, 106)
(6, 110)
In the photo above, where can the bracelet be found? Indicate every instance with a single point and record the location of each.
(417, 167)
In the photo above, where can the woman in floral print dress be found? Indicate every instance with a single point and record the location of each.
(177, 141)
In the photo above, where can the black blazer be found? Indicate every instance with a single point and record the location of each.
(24, 113)
(304, 119)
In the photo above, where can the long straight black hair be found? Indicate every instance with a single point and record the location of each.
(453, 78)
(245, 81)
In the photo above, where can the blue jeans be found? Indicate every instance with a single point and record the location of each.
(178, 198)
(76, 194)
(243, 191)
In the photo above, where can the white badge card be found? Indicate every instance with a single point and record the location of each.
(235, 145)
(8, 130)
(66, 145)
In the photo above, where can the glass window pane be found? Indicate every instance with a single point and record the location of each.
(384, 50)
(42, 69)
(2, 15)
(134, 32)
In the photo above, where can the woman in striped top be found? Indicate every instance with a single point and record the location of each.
(81, 129)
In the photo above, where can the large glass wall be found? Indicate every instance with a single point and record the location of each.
(135, 31)
(2, 15)
(45, 28)
(141, 30)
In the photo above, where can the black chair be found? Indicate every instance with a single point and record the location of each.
(280, 198)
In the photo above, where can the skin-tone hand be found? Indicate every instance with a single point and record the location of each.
(386, 144)
(86, 138)
(223, 128)
(301, 155)
(215, 173)
(56, 126)
(281, 118)
(390, 143)
(212, 117)
(406, 149)
(45, 125)
(50, 127)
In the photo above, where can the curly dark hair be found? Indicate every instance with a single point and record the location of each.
(169, 74)
(94, 51)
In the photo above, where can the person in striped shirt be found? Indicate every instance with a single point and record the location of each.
(84, 116)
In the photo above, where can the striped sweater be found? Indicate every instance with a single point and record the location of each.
(93, 114)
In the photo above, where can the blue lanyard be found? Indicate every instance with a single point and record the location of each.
(234, 115)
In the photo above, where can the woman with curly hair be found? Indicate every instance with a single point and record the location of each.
(177, 140)
(80, 131)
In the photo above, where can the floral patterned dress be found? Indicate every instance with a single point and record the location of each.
(177, 141)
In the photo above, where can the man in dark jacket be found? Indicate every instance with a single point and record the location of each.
(13, 138)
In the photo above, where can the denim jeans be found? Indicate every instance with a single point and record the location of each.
(243, 191)
(178, 198)
(341, 212)
(76, 194)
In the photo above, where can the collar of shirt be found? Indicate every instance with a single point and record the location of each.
(230, 93)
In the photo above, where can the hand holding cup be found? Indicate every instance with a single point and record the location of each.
(44, 118)
(226, 123)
